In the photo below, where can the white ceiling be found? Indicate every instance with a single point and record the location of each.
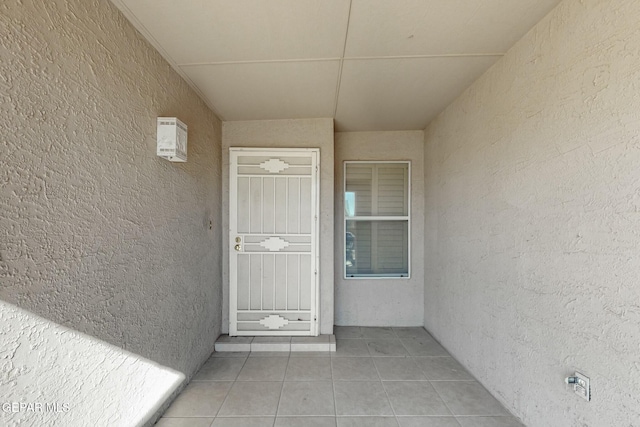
(369, 64)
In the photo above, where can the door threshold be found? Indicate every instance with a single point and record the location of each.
(322, 343)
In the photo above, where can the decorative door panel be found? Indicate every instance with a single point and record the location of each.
(273, 226)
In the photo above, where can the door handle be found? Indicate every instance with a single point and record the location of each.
(237, 248)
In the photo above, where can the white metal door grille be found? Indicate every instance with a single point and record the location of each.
(273, 218)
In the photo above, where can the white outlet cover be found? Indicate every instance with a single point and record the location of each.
(583, 387)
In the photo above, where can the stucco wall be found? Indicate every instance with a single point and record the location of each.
(532, 201)
(381, 302)
(96, 232)
(109, 386)
(303, 133)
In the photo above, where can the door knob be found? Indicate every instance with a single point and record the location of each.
(237, 247)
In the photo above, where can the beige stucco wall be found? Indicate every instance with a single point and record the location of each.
(96, 232)
(69, 379)
(381, 302)
(303, 133)
(532, 200)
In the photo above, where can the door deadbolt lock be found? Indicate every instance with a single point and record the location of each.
(238, 240)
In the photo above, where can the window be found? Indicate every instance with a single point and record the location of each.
(376, 219)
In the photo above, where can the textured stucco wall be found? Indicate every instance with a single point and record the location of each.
(295, 133)
(96, 232)
(381, 302)
(106, 386)
(533, 225)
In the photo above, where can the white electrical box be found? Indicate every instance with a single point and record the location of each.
(172, 139)
(581, 385)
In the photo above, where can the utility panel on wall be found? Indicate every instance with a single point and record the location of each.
(172, 139)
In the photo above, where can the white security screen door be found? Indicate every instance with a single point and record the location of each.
(273, 241)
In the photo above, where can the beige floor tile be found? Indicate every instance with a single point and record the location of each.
(225, 354)
(416, 332)
(378, 333)
(354, 368)
(414, 398)
(348, 332)
(220, 369)
(398, 368)
(298, 354)
(263, 369)
(361, 398)
(244, 422)
(307, 398)
(252, 399)
(184, 422)
(428, 422)
(468, 398)
(489, 422)
(423, 347)
(443, 369)
(199, 399)
(367, 422)
(305, 422)
(308, 369)
(381, 348)
(351, 348)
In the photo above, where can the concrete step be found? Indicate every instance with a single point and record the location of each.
(320, 343)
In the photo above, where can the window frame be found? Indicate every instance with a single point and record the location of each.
(372, 218)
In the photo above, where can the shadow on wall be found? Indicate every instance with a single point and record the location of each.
(52, 375)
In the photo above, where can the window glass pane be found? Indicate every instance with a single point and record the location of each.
(358, 191)
(392, 197)
(377, 248)
(376, 189)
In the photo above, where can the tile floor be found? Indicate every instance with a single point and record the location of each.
(377, 377)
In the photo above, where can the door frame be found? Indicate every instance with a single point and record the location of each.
(315, 238)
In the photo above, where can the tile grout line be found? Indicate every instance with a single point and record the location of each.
(333, 386)
(235, 380)
(275, 418)
(405, 348)
(445, 404)
(393, 410)
(430, 383)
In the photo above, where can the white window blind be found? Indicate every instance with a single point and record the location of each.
(377, 219)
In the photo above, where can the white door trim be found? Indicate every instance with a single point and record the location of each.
(314, 155)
